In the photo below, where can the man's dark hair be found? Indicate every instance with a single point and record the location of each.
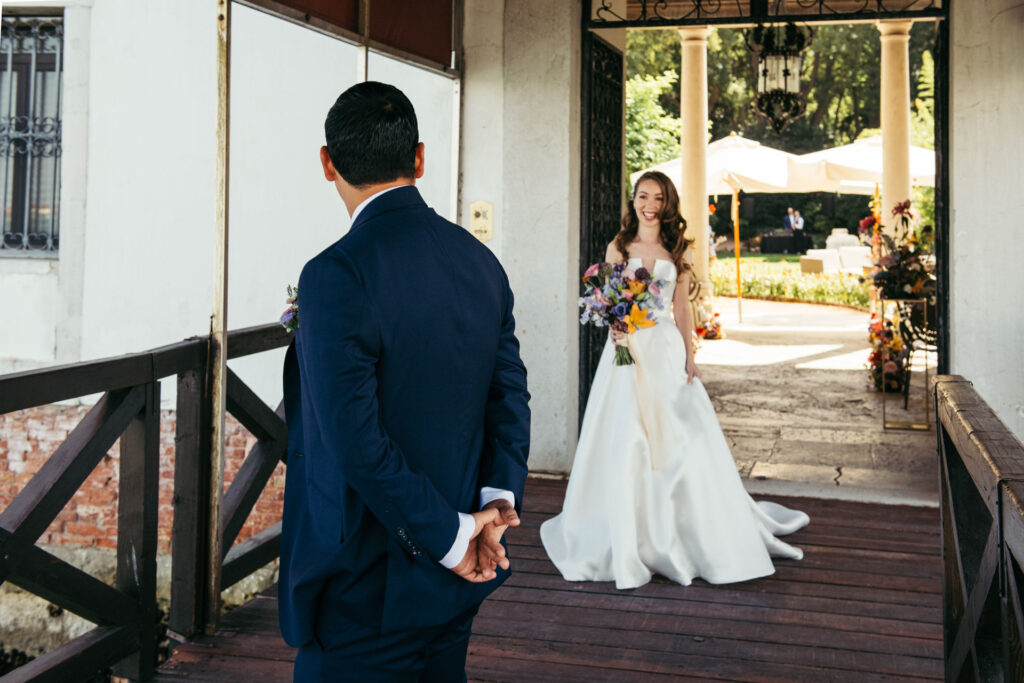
(372, 134)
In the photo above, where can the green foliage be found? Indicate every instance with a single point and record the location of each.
(655, 52)
(922, 133)
(781, 280)
(652, 135)
(840, 76)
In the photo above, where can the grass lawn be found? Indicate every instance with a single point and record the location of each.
(778, 276)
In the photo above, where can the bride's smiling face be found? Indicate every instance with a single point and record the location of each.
(649, 203)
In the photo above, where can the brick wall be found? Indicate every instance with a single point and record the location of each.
(29, 437)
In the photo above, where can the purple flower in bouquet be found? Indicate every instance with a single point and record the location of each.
(619, 297)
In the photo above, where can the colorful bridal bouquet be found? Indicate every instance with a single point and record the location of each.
(290, 317)
(618, 297)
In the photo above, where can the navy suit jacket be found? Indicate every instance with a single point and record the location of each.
(404, 395)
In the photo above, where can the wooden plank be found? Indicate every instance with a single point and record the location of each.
(826, 618)
(887, 633)
(256, 339)
(233, 644)
(613, 659)
(982, 442)
(77, 660)
(249, 555)
(49, 490)
(1013, 518)
(512, 669)
(33, 388)
(253, 413)
(833, 602)
(189, 544)
(67, 586)
(638, 632)
(246, 487)
(137, 518)
(194, 666)
(788, 571)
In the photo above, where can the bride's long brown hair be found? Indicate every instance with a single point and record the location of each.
(672, 224)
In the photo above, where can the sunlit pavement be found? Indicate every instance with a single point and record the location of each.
(790, 385)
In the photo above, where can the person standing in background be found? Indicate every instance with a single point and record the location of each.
(787, 222)
(798, 231)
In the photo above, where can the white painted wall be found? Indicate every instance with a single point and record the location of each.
(135, 267)
(987, 203)
(282, 211)
(151, 172)
(481, 173)
(537, 200)
(44, 295)
(432, 96)
(27, 337)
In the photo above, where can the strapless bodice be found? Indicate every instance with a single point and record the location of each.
(665, 273)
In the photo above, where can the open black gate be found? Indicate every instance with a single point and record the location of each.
(601, 177)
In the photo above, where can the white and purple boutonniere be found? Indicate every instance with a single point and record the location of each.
(290, 317)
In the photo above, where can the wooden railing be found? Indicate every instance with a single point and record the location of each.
(982, 501)
(126, 613)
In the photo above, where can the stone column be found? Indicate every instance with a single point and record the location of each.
(693, 110)
(895, 117)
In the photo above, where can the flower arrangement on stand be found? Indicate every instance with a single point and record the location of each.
(708, 325)
(903, 269)
(889, 359)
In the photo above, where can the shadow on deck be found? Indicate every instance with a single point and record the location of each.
(865, 604)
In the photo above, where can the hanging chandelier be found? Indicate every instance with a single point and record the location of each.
(778, 50)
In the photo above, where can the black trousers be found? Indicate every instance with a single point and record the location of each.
(346, 651)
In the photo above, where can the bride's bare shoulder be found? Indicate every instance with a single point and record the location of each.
(612, 253)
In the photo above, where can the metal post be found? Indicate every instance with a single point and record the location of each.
(218, 321)
(736, 246)
(363, 49)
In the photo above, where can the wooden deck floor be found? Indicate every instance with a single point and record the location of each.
(863, 605)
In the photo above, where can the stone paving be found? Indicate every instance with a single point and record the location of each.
(790, 386)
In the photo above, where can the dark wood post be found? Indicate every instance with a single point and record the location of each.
(189, 543)
(137, 516)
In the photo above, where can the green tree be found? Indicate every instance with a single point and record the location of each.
(922, 133)
(652, 134)
(840, 76)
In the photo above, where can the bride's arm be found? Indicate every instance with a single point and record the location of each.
(682, 312)
(612, 255)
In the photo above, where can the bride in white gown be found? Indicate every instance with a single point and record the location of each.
(654, 488)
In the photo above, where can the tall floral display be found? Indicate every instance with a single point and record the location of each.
(904, 270)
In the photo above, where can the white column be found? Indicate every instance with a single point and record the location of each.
(693, 110)
(895, 117)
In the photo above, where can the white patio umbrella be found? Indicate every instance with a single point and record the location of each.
(735, 163)
(857, 168)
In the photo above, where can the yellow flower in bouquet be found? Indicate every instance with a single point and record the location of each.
(637, 319)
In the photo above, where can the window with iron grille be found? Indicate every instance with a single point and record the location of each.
(31, 59)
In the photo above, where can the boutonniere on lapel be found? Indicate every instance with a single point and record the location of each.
(290, 317)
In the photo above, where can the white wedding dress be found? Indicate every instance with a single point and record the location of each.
(654, 488)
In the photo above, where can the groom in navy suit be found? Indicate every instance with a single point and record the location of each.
(408, 423)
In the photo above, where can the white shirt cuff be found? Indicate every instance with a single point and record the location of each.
(467, 525)
(489, 494)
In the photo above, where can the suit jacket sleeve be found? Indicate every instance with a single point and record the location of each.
(507, 418)
(341, 341)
